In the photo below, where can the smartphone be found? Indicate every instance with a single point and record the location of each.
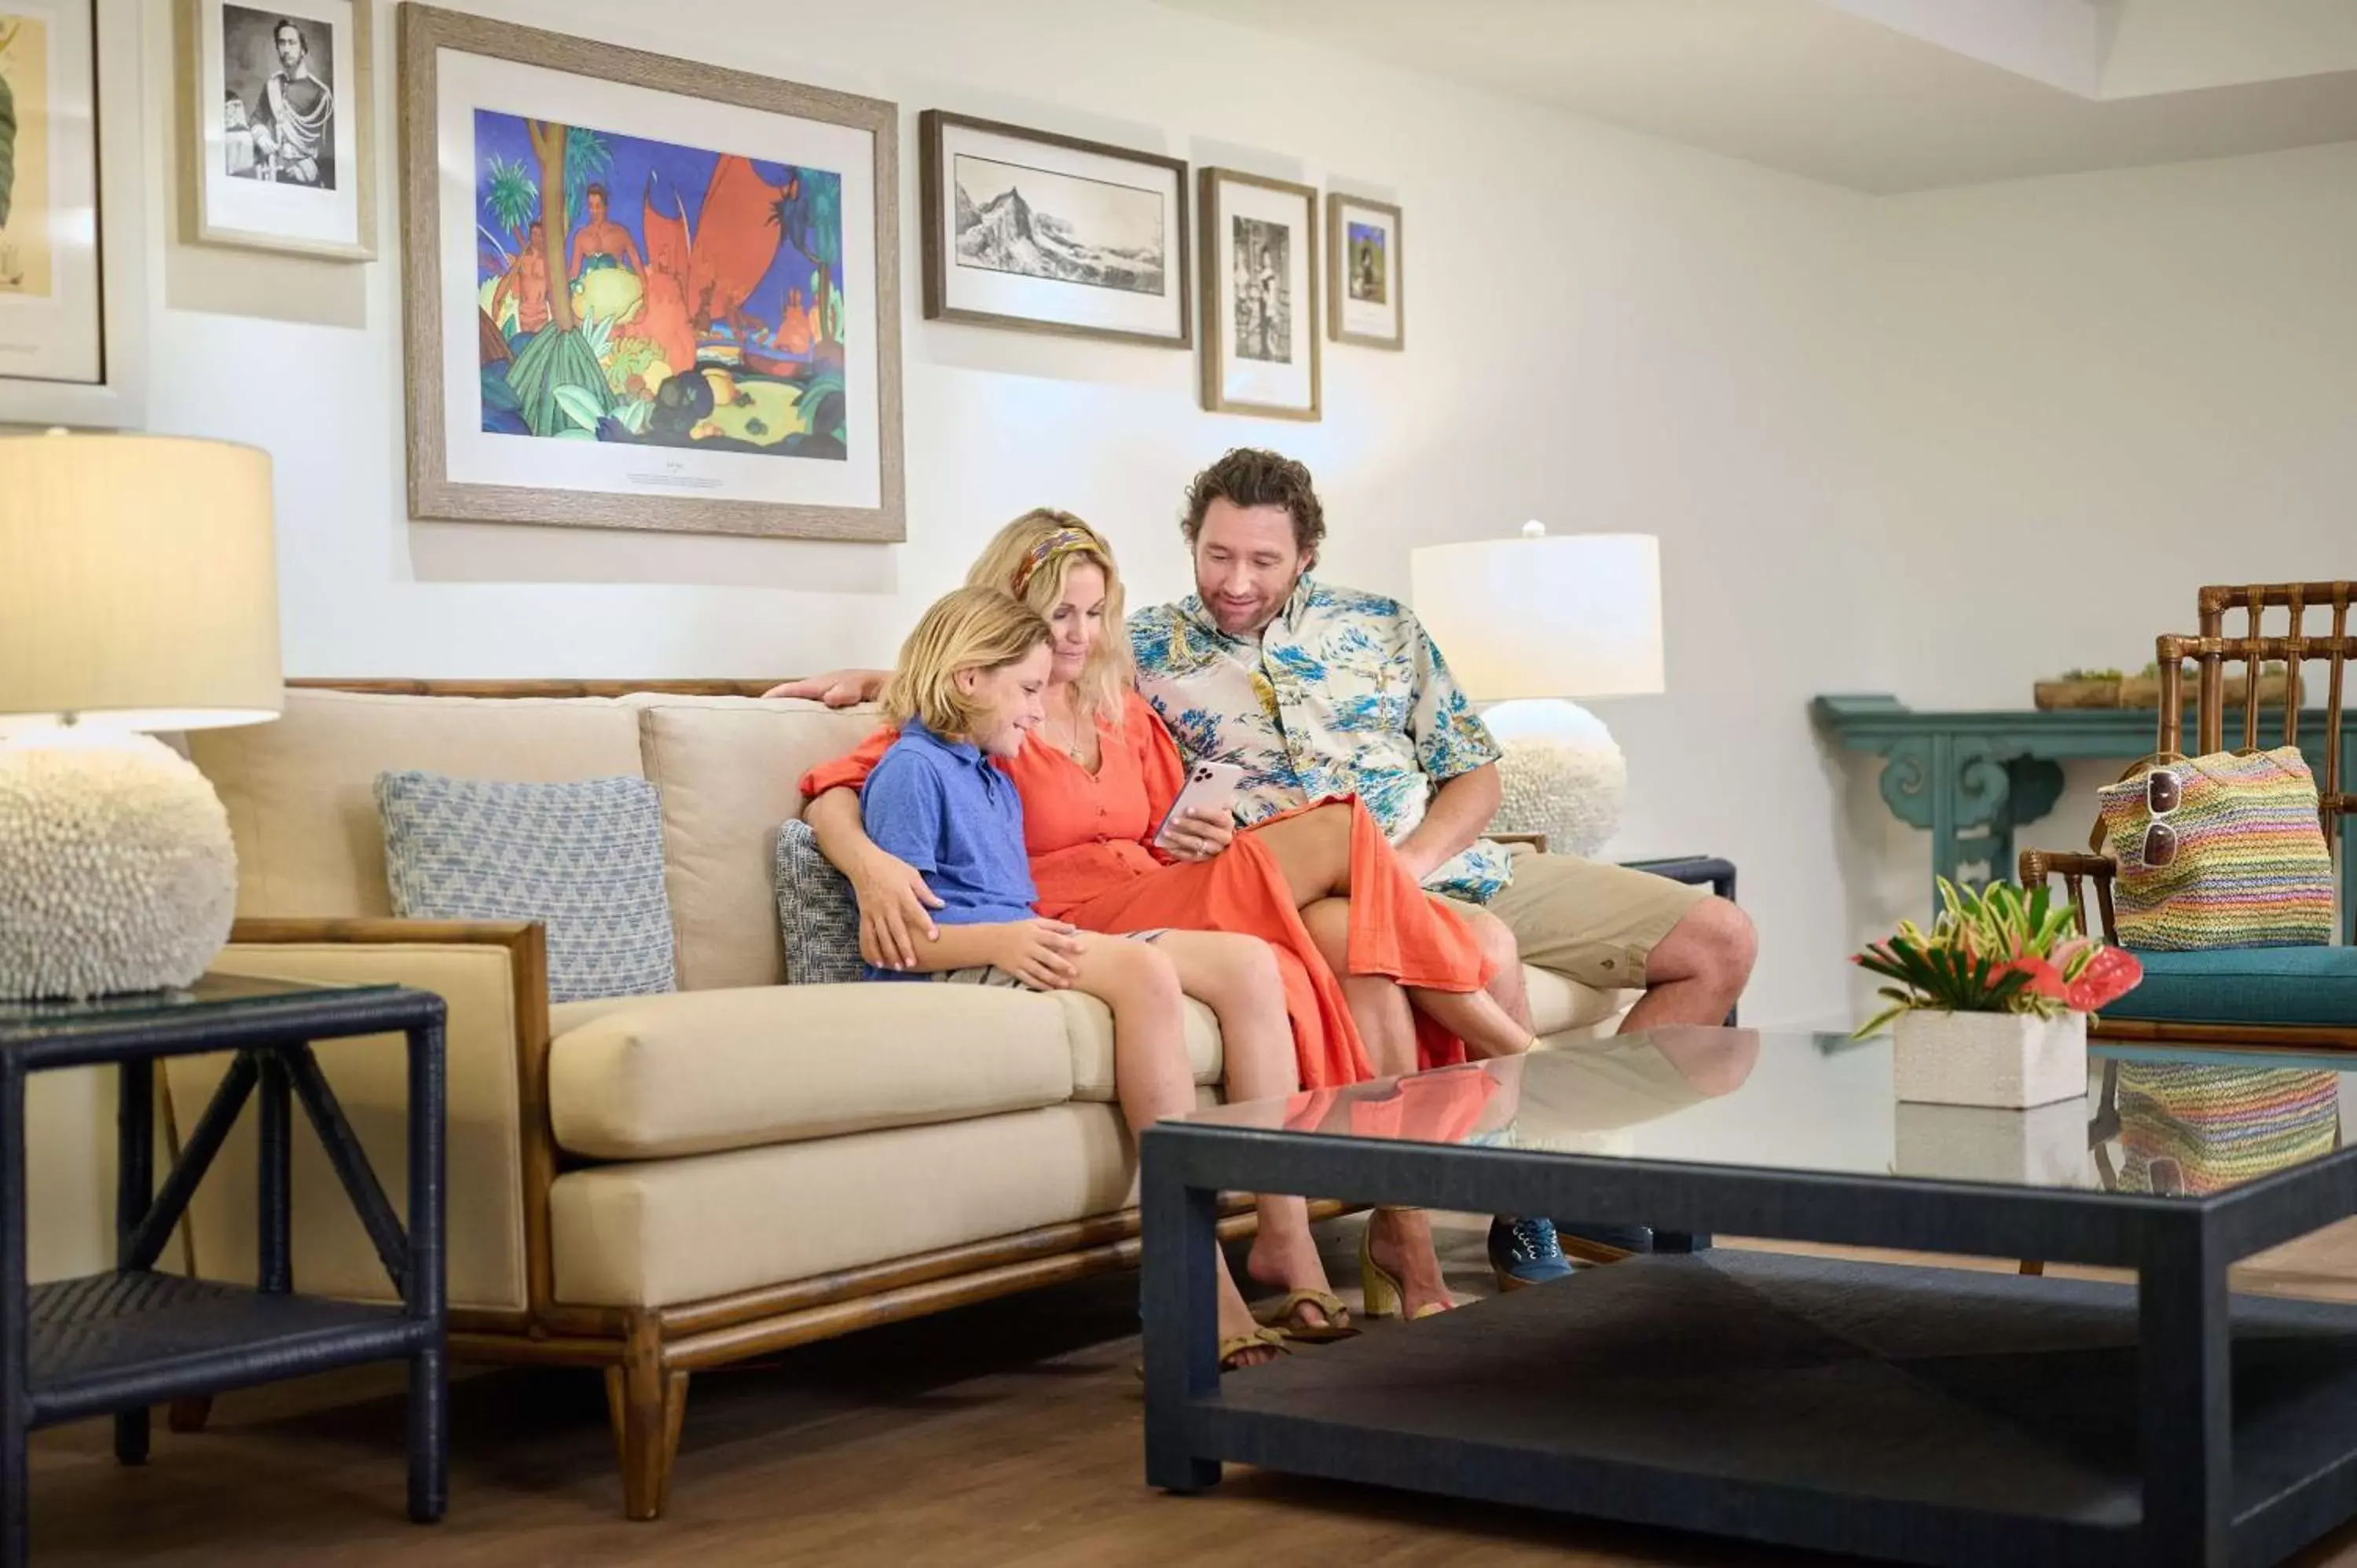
(1210, 785)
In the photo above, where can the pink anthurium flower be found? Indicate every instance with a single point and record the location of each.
(2110, 976)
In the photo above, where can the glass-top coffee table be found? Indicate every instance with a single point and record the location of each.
(1925, 1415)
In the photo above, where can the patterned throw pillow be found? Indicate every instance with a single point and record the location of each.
(816, 911)
(585, 858)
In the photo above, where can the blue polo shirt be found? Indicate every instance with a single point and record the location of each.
(947, 810)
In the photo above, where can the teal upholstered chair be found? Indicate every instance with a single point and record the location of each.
(2304, 996)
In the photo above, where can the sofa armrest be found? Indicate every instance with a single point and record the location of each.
(493, 976)
(2038, 865)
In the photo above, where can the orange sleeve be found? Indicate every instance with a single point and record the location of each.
(850, 772)
(1157, 754)
(1158, 764)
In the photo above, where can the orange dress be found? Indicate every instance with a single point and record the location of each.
(1087, 836)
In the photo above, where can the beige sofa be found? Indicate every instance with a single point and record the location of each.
(655, 1184)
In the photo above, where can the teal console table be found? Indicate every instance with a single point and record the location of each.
(1974, 778)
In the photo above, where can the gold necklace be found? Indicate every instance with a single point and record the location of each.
(1071, 747)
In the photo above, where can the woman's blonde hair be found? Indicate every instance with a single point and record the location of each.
(1031, 558)
(972, 628)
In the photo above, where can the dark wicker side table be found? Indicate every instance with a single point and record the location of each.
(127, 1340)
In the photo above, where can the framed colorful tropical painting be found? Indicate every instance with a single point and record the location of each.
(1365, 303)
(643, 292)
(71, 240)
(276, 126)
(1259, 242)
(1049, 234)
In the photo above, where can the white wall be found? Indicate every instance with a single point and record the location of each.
(2091, 394)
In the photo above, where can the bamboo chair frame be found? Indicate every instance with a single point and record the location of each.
(2210, 652)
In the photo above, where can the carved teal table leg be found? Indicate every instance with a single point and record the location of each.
(1953, 785)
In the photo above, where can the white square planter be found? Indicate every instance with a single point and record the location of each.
(2012, 1060)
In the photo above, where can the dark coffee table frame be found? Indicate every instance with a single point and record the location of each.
(2179, 1247)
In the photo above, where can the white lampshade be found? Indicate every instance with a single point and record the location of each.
(138, 585)
(1573, 615)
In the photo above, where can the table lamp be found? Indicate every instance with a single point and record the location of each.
(1527, 623)
(138, 592)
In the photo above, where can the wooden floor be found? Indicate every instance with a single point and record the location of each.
(1006, 1433)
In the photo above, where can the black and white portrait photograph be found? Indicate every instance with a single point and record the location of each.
(1044, 232)
(276, 100)
(1260, 282)
(279, 110)
(1261, 254)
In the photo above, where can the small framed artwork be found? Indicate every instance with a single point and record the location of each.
(1362, 247)
(645, 293)
(1047, 234)
(1259, 248)
(71, 240)
(276, 126)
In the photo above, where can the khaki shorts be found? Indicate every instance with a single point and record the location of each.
(1592, 923)
(990, 975)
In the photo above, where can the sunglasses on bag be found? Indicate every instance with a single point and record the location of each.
(2163, 791)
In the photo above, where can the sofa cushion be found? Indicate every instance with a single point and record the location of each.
(727, 767)
(704, 1071)
(2244, 985)
(301, 793)
(1558, 1003)
(817, 914)
(586, 859)
(665, 1231)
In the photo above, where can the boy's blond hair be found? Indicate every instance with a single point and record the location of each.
(972, 628)
(1030, 558)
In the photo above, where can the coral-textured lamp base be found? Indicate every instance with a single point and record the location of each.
(1562, 774)
(116, 870)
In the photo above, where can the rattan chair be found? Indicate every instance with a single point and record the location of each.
(2300, 997)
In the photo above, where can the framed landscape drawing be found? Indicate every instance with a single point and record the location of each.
(71, 196)
(1260, 296)
(1365, 304)
(1049, 233)
(276, 126)
(645, 293)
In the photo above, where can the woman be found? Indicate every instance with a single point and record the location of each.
(1096, 778)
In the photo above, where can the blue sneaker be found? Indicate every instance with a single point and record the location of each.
(1599, 1243)
(1525, 1252)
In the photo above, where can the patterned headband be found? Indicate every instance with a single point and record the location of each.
(1064, 542)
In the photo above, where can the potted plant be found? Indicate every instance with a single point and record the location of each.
(1989, 1007)
(2078, 689)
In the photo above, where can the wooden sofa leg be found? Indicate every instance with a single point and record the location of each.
(190, 1414)
(646, 1403)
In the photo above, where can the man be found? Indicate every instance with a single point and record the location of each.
(527, 281)
(603, 242)
(1318, 691)
(294, 125)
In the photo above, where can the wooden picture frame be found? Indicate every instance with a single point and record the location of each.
(226, 197)
(75, 353)
(665, 398)
(1268, 228)
(1365, 306)
(1084, 289)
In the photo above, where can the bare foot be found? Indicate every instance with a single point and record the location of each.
(1402, 1246)
(1291, 1264)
